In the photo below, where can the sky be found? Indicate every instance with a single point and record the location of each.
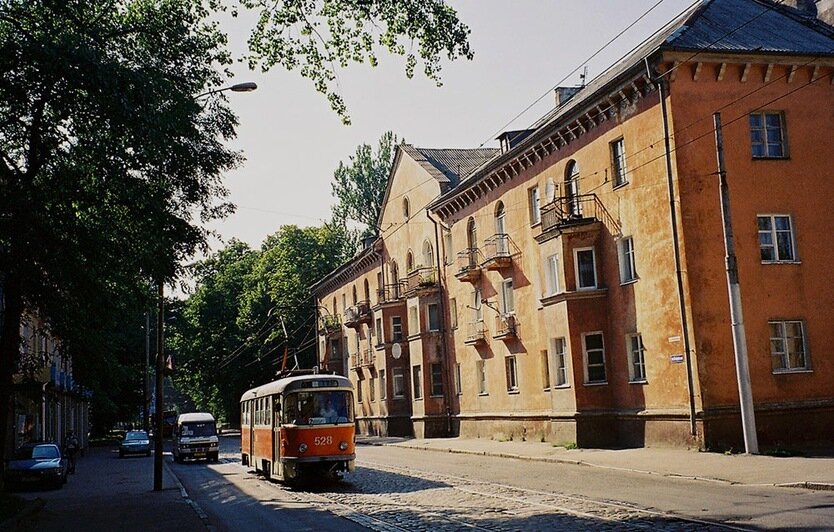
(293, 142)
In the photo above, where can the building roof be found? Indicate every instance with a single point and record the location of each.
(453, 163)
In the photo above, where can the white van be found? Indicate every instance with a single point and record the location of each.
(195, 436)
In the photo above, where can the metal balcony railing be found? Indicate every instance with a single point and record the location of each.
(498, 251)
(354, 360)
(329, 324)
(565, 211)
(357, 314)
(391, 293)
(421, 277)
(505, 327)
(468, 264)
(475, 333)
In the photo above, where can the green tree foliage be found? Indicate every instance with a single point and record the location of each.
(359, 186)
(105, 161)
(320, 36)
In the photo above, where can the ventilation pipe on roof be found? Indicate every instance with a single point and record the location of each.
(563, 94)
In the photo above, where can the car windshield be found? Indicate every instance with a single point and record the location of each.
(136, 435)
(203, 428)
(38, 452)
(318, 408)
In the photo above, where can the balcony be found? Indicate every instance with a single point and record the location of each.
(505, 327)
(358, 314)
(354, 361)
(367, 358)
(565, 212)
(475, 333)
(420, 279)
(329, 325)
(391, 294)
(469, 265)
(498, 252)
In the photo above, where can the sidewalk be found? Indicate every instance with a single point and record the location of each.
(798, 472)
(108, 493)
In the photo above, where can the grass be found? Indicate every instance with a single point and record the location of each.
(567, 445)
(10, 505)
(781, 452)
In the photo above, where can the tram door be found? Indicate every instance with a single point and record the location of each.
(251, 405)
(276, 434)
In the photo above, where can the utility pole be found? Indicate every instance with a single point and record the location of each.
(160, 400)
(146, 380)
(745, 391)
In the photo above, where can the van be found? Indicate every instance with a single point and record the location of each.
(195, 436)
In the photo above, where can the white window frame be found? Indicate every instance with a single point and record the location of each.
(784, 352)
(551, 275)
(507, 297)
(417, 382)
(380, 332)
(398, 382)
(477, 306)
(558, 351)
(774, 233)
(576, 253)
(448, 254)
(396, 329)
(480, 371)
(534, 201)
(511, 369)
(587, 365)
(436, 307)
(783, 142)
(628, 266)
(636, 353)
(619, 169)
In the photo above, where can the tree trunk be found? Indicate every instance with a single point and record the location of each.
(9, 353)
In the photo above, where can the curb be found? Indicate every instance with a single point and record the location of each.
(28, 514)
(817, 486)
(196, 507)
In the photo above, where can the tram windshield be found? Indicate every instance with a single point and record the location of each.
(318, 408)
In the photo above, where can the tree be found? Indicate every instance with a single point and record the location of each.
(360, 185)
(319, 36)
(105, 160)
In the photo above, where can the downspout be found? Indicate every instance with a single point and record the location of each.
(661, 82)
(319, 361)
(447, 390)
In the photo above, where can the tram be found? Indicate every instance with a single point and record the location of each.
(298, 426)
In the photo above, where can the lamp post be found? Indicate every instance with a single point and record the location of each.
(247, 86)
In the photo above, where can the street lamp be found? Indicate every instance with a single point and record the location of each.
(247, 86)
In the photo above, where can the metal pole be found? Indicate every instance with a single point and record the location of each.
(745, 392)
(160, 401)
(146, 392)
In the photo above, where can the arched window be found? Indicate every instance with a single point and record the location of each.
(572, 188)
(367, 291)
(334, 306)
(471, 234)
(409, 262)
(406, 209)
(395, 280)
(428, 254)
(501, 244)
(354, 295)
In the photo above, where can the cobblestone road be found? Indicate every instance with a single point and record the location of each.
(387, 498)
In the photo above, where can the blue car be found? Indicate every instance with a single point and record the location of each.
(135, 442)
(36, 464)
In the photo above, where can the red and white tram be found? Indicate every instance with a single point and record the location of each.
(298, 426)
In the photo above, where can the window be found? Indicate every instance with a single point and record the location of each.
(481, 372)
(447, 247)
(767, 135)
(628, 271)
(535, 213)
(399, 382)
(406, 209)
(458, 387)
(434, 316)
(436, 379)
(618, 161)
(372, 389)
(413, 321)
(428, 254)
(359, 391)
(409, 262)
(453, 312)
(776, 238)
(380, 338)
(354, 295)
(476, 305)
(512, 373)
(507, 297)
(383, 386)
(560, 370)
(787, 346)
(551, 275)
(417, 381)
(572, 189)
(586, 270)
(594, 358)
(636, 358)
(396, 329)
(545, 360)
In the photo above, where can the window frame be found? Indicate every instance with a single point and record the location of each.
(544, 357)
(458, 382)
(786, 355)
(783, 137)
(397, 329)
(576, 253)
(507, 295)
(417, 382)
(619, 168)
(436, 379)
(398, 381)
(560, 360)
(511, 372)
(383, 385)
(413, 320)
(626, 256)
(773, 232)
(453, 313)
(636, 356)
(436, 307)
(359, 398)
(534, 205)
(551, 275)
(372, 389)
(480, 371)
(586, 359)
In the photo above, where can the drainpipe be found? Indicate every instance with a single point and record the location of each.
(447, 390)
(661, 82)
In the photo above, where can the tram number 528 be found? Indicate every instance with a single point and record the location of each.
(323, 440)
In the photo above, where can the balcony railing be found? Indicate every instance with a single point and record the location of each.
(505, 327)
(329, 324)
(354, 361)
(367, 358)
(422, 277)
(566, 211)
(391, 293)
(469, 265)
(475, 333)
(498, 251)
(358, 314)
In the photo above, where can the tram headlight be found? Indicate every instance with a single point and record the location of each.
(343, 445)
(302, 448)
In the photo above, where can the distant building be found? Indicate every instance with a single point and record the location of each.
(581, 294)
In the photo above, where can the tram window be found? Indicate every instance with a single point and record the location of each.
(318, 408)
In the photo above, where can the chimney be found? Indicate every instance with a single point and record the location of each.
(563, 94)
(825, 11)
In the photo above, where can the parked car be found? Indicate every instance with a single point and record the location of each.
(135, 442)
(36, 464)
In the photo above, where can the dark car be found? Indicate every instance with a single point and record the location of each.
(36, 464)
(135, 442)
